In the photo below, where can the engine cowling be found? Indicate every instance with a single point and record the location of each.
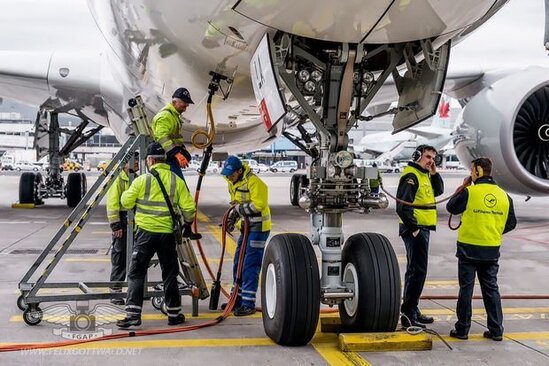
(508, 122)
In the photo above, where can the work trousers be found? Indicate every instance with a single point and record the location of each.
(146, 245)
(118, 260)
(174, 167)
(487, 272)
(417, 253)
(253, 258)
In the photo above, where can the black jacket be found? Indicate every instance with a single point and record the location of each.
(457, 206)
(407, 189)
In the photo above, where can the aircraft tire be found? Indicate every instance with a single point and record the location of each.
(75, 189)
(290, 290)
(370, 269)
(295, 183)
(28, 187)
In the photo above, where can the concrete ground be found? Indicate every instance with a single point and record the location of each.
(242, 341)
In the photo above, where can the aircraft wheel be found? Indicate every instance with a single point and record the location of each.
(157, 301)
(29, 186)
(21, 303)
(290, 290)
(75, 189)
(294, 189)
(33, 315)
(370, 270)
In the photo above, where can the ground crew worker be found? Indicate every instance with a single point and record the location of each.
(250, 195)
(374, 183)
(420, 184)
(166, 127)
(155, 234)
(486, 214)
(117, 217)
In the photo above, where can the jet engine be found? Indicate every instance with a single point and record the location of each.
(508, 121)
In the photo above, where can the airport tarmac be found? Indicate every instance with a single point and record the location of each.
(242, 341)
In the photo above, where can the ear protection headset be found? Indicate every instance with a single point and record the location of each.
(478, 168)
(418, 153)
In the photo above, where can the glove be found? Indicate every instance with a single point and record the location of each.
(231, 221)
(181, 160)
(188, 232)
(117, 230)
(180, 154)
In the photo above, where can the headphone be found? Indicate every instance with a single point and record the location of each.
(478, 168)
(418, 153)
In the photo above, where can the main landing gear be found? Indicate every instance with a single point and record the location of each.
(331, 85)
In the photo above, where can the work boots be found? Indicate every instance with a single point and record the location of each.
(243, 311)
(179, 319)
(408, 320)
(128, 322)
(424, 319)
(489, 335)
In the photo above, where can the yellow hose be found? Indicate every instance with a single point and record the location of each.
(208, 135)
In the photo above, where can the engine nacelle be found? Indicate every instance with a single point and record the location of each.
(508, 122)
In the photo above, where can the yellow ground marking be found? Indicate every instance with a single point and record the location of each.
(216, 232)
(326, 346)
(159, 316)
(385, 342)
(518, 336)
(170, 343)
(322, 341)
(87, 260)
(106, 259)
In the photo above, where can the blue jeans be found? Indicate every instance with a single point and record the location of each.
(252, 266)
(417, 253)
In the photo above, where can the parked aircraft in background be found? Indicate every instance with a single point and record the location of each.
(320, 61)
(386, 146)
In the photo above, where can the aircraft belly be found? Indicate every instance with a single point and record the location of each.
(380, 21)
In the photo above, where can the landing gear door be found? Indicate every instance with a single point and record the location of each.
(420, 89)
(41, 135)
(270, 100)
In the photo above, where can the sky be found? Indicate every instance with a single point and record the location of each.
(514, 36)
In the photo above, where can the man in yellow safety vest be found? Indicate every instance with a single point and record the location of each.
(487, 213)
(419, 184)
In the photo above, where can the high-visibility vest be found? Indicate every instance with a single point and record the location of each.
(252, 194)
(166, 127)
(119, 186)
(425, 196)
(483, 221)
(151, 211)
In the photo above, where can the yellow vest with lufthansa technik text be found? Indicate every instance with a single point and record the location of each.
(483, 221)
(424, 196)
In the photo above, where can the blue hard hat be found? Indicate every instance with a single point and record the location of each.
(231, 165)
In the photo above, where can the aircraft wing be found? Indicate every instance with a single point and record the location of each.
(428, 135)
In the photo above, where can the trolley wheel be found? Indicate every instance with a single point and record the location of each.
(164, 307)
(33, 315)
(156, 302)
(290, 290)
(21, 303)
(370, 270)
